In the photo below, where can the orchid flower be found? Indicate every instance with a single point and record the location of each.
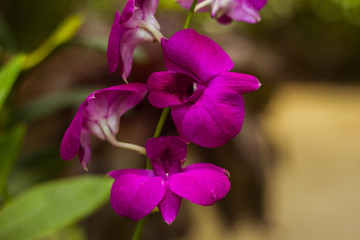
(100, 115)
(225, 11)
(136, 192)
(205, 99)
(135, 24)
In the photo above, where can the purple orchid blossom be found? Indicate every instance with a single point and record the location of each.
(100, 115)
(136, 192)
(224, 11)
(207, 106)
(135, 24)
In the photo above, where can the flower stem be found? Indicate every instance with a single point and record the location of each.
(161, 122)
(138, 229)
(190, 14)
(202, 4)
(111, 138)
(159, 127)
(152, 30)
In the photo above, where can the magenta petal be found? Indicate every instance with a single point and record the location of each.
(110, 104)
(85, 149)
(129, 41)
(168, 89)
(196, 55)
(177, 114)
(135, 192)
(70, 143)
(259, 4)
(148, 7)
(128, 11)
(127, 31)
(201, 183)
(106, 105)
(244, 11)
(239, 82)
(123, 97)
(131, 87)
(113, 50)
(186, 3)
(214, 119)
(119, 173)
(169, 205)
(166, 154)
(224, 19)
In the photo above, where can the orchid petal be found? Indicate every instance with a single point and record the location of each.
(213, 120)
(103, 105)
(128, 43)
(128, 31)
(169, 205)
(177, 114)
(70, 143)
(227, 10)
(190, 53)
(186, 3)
(166, 154)
(135, 192)
(148, 6)
(84, 150)
(224, 19)
(258, 4)
(110, 104)
(113, 50)
(239, 82)
(201, 183)
(244, 11)
(169, 89)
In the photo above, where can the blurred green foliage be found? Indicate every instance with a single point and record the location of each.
(10, 144)
(45, 209)
(49, 207)
(62, 34)
(8, 76)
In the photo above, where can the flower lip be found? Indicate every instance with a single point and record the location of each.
(167, 155)
(171, 88)
(187, 88)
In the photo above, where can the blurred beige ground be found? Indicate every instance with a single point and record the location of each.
(313, 190)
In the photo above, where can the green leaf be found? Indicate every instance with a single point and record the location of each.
(62, 34)
(8, 75)
(49, 207)
(10, 143)
(68, 233)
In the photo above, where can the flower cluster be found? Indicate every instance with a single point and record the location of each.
(205, 100)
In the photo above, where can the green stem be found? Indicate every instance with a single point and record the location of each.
(138, 229)
(161, 122)
(159, 127)
(190, 14)
(158, 130)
